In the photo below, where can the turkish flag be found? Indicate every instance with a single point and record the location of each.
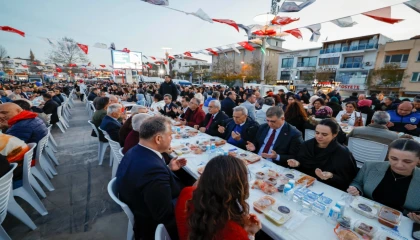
(126, 50)
(212, 51)
(149, 65)
(153, 58)
(383, 15)
(265, 32)
(171, 57)
(25, 66)
(188, 54)
(102, 65)
(295, 32)
(13, 30)
(283, 20)
(228, 22)
(84, 48)
(165, 62)
(58, 69)
(247, 46)
(72, 65)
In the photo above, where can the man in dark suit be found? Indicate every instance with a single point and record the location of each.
(50, 107)
(110, 123)
(276, 140)
(240, 129)
(169, 87)
(168, 109)
(146, 184)
(93, 94)
(229, 103)
(213, 119)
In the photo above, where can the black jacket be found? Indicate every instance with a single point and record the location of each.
(369, 112)
(250, 128)
(287, 143)
(150, 189)
(112, 127)
(169, 88)
(171, 113)
(336, 159)
(92, 96)
(351, 99)
(335, 107)
(214, 126)
(57, 100)
(50, 107)
(227, 106)
(375, 102)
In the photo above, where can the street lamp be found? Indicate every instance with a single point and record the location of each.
(264, 18)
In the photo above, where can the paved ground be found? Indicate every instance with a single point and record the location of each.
(79, 207)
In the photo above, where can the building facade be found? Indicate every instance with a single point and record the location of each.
(406, 55)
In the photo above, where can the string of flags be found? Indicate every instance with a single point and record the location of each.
(255, 32)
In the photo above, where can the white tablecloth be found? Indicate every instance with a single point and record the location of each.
(313, 227)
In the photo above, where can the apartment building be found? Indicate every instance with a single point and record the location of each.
(406, 55)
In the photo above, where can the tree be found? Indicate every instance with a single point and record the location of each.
(390, 75)
(31, 55)
(66, 51)
(224, 69)
(3, 52)
(253, 71)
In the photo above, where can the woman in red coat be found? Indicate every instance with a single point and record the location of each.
(217, 208)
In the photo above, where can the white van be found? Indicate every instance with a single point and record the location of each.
(144, 79)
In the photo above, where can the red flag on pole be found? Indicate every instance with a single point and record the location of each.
(188, 54)
(265, 32)
(228, 22)
(246, 45)
(212, 51)
(383, 15)
(295, 32)
(283, 20)
(126, 50)
(13, 30)
(83, 47)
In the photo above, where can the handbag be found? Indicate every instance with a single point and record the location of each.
(359, 121)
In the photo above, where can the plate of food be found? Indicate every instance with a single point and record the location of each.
(185, 150)
(253, 158)
(309, 180)
(389, 217)
(220, 142)
(273, 174)
(365, 207)
(279, 215)
(263, 203)
(365, 230)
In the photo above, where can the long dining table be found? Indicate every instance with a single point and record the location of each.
(303, 225)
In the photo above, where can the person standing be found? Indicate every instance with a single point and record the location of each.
(169, 87)
(229, 103)
(249, 105)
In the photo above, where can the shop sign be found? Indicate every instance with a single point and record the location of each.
(351, 87)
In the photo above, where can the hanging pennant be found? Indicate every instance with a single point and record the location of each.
(100, 45)
(153, 58)
(265, 32)
(126, 50)
(234, 48)
(13, 30)
(212, 51)
(58, 69)
(246, 45)
(283, 20)
(25, 66)
(413, 4)
(171, 57)
(315, 29)
(188, 54)
(102, 65)
(383, 15)
(295, 32)
(149, 65)
(72, 65)
(257, 41)
(228, 22)
(157, 2)
(83, 47)
(202, 15)
(165, 62)
(291, 6)
(344, 22)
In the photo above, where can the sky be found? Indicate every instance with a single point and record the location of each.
(147, 28)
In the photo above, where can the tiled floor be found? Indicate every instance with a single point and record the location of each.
(79, 207)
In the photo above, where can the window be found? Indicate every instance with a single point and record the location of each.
(307, 62)
(307, 75)
(277, 44)
(418, 57)
(285, 75)
(287, 62)
(329, 61)
(415, 77)
(399, 58)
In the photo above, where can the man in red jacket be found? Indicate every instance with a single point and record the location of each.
(194, 115)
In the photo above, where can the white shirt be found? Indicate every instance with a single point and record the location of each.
(352, 118)
(157, 153)
(155, 105)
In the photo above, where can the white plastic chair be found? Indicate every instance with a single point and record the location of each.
(161, 233)
(111, 154)
(309, 134)
(25, 191)
(49, 149)
(365, 150)
(61, 118)
(113, 193)
(5, 190)
(102, 146)
(59, 123)
(40, 168)
(115, 148)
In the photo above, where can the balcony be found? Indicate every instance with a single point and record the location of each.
(303, 64)
(399, 64)
(349, 48)
(351, 65)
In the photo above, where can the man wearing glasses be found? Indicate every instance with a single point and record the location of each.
(276, 140)
(194, 114)
(213, 119)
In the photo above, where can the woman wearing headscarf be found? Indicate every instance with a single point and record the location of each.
(335, 106)
(365, 106)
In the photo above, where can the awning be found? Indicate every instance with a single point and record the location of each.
(413, 93)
